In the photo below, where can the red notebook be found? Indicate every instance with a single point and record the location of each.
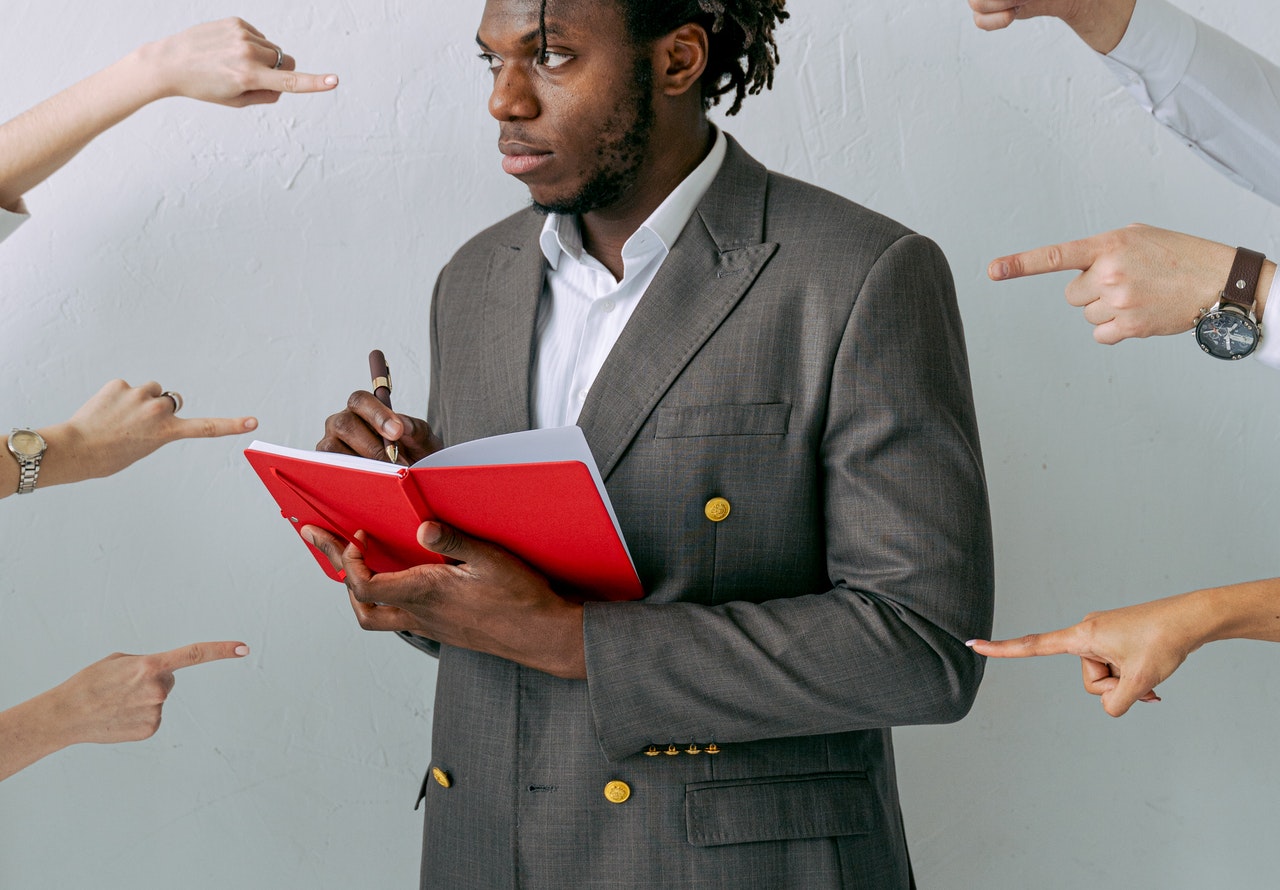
(536, 493)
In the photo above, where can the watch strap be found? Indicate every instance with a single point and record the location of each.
(1242, 284)
(28, 473)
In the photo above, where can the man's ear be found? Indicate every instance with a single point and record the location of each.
(680, 58)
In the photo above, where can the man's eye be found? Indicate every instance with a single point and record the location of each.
(554, 60)
(492, 62)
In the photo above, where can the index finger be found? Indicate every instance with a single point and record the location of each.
(198, 653)
(1057, 642)
(212, 427)
(380, 417)
(286, 80)
(1078, 255)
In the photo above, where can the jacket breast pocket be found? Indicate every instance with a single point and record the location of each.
(780, 808)
(690, 421)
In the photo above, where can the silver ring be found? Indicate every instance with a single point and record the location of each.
(176, 398)
(279, 58)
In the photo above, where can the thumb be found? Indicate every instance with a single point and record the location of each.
(447, 541)
(1118, 700)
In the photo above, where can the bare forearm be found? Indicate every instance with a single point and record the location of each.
(1249, 611)
(40, 141)
(29, 732)
(62, 462)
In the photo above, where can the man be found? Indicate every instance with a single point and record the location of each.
(1221, 99)
(784, 423)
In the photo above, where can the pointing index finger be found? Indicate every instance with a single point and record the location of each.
(1053, 643)
(286, 80)
(1079, 255)
(199, 653)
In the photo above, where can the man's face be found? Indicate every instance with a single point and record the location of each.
(574, 123)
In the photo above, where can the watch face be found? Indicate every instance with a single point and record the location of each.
(1227, 334)
(27, 443)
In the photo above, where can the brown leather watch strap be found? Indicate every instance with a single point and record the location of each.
(1242, 283)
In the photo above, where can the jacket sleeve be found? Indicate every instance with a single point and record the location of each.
(906, 527)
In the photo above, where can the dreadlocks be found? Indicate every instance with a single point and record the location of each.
(737, 30)
(742, 52)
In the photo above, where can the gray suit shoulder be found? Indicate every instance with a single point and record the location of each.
(834, 243)
(802, 211)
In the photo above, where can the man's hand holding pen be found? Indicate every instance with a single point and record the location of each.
(484, 599)
(366, 422)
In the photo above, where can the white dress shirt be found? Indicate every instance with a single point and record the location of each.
(583, 309)
(1222, 99)
(9, 221)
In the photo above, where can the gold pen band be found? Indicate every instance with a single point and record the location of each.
(382, 382)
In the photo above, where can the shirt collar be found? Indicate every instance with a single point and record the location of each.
(561, 235)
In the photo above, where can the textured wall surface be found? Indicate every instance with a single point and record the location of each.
(251, 258)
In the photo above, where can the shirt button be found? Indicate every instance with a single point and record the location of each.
(717, 509)
(582, 395)
(607, 305)
(617, 792)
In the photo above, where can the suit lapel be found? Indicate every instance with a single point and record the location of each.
(514, 287)
(710, 267)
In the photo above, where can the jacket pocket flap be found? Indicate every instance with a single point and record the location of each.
(769, 419)
(779, 808)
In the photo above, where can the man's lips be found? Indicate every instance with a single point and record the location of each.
(521, 159)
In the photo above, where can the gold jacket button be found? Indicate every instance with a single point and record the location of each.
(441, 777)
(652, 751)
(717, 509)
(713, 748)
(617, 792)
(693, 749)
(671, 750)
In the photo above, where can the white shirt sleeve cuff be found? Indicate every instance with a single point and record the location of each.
(1154, 52)
(1269, 349)
(9, 222)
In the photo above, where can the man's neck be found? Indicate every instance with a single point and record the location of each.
(605, 231)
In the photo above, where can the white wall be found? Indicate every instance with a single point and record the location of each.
(250, 259)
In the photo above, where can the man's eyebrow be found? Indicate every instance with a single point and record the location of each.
(534, 36)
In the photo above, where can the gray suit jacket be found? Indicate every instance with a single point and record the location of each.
(802, 358)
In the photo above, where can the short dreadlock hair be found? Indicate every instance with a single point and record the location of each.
(742, 53)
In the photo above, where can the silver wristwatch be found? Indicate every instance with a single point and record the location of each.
(27, 447)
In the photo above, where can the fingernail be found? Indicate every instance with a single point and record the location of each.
(242, 650)
(970, 643)
(998, 271)
(251, 423)
(431, 532)
(391, 426)
(331, 80)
